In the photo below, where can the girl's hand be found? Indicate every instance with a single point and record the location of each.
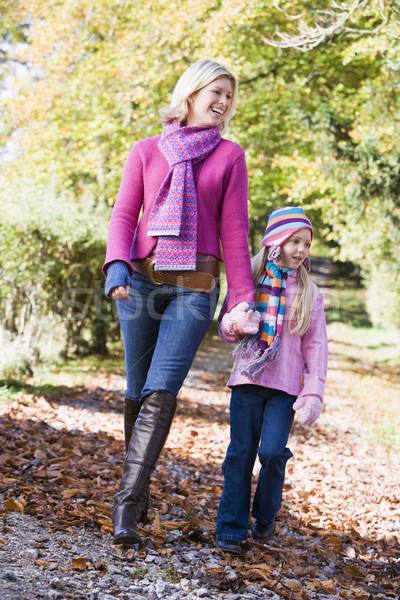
(310, 408)
(243, 321)
(120, 292)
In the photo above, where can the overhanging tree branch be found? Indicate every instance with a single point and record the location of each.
(328, 23)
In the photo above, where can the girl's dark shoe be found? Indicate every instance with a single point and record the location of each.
(262, 533)
(147, 440)
(230, 546)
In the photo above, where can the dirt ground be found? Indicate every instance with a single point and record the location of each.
(62, 456)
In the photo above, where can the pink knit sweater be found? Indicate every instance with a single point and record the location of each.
(301, 368)
(222, 211)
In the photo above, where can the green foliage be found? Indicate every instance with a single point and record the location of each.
(320, 128)
(51, 289)
(339, 114)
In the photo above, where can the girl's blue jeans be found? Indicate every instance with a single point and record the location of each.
(261, 420)
(162, 328)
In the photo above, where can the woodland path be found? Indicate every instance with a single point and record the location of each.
(62, 454)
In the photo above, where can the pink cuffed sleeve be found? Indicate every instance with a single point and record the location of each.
(125, 214)
(315, 352)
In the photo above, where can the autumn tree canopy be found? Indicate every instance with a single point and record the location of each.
(318, 115)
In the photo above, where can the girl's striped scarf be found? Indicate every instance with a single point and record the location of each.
(173, 216)
(257, 349)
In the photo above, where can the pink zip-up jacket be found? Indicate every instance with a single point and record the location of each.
(221, 203)
(301, 367)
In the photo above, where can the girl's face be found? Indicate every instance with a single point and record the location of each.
(296, 249)
(208, 106)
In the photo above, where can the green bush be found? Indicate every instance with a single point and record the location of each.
(51, 286)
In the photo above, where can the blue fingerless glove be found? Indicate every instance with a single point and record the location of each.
(117, 274)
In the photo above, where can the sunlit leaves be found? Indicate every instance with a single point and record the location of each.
(319, 128)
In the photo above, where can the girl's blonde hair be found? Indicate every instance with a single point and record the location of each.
(300, 313)
(192, 80)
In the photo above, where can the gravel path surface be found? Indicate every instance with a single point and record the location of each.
(81, 564)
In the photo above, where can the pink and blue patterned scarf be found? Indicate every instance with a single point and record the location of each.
(257, 349)
(173, 217)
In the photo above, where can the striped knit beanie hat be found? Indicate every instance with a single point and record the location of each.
(282, 223)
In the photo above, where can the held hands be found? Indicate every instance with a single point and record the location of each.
(241, 321)
(311, 408)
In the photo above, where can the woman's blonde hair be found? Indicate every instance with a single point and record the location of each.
(300, 313)
(197, 76)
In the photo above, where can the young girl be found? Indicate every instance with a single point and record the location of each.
(277, 371)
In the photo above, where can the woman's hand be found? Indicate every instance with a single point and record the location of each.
(120, 292)
(225, 330)
(118, 279)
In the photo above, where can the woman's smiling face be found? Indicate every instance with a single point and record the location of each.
(208, 106)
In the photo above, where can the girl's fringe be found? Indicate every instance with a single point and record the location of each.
(254, 359)
(246, 347)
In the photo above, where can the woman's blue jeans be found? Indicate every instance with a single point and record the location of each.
(261, 420)
(162, 328)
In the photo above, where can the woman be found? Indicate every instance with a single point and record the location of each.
(163, 270)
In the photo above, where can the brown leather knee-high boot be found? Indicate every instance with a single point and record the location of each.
(131, 413)
(147, 440)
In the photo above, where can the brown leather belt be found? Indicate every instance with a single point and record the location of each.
(201, 280)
